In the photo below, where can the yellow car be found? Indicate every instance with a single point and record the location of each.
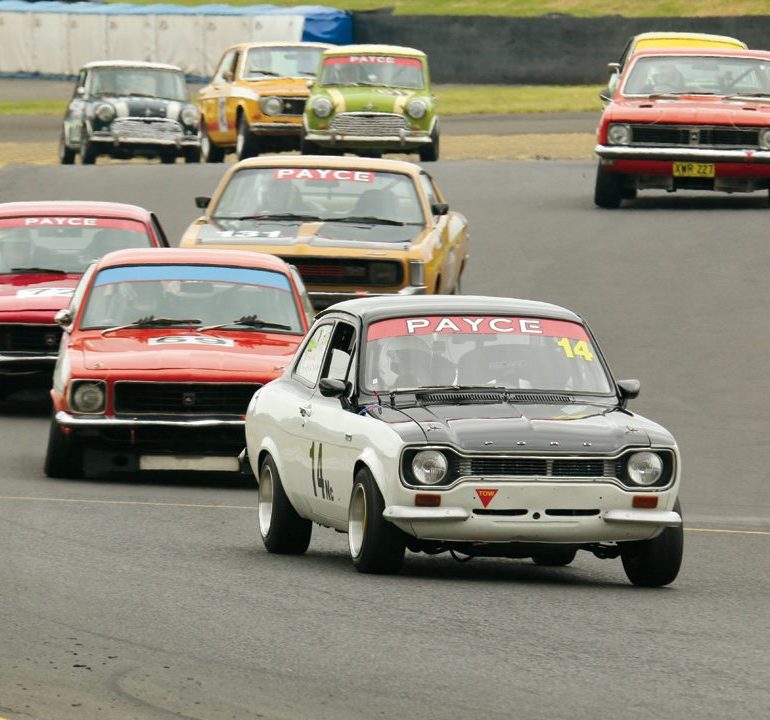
(352, 226)
(653, 40)
(256, 99)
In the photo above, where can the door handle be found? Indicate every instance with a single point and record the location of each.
(305, 410)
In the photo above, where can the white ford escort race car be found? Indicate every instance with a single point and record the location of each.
(479, 426)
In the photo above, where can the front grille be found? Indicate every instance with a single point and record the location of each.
(136, 398)
(146, 128)
(323, 271)
(695, 136)
(368, 124)
(30, 338)
(536, 467)
(293, 105)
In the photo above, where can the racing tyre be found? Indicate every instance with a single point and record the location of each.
(558, 557)
(608, 192)
(246, 144)
(66, 155)
(87, 149)
(656, 562)
(192, 154)
(429, 153)
(210, 153)
(282, 530)
(63, 458)
(168, 158)
(376, 545)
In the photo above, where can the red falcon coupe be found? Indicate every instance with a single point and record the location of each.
(44, 248)
(161, 354)
(695, 119)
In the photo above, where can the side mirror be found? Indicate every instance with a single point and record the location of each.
(628, 389)
(202, 202)
(439, 208)
(311, 82)
(613, 67)
(228, 76)
(80, 91)
(330, 387)
(63, 318)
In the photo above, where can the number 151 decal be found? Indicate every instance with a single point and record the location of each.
(316, 474)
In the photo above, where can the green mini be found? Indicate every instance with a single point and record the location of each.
(372, 99)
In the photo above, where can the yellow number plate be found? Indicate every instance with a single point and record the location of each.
(689, 169)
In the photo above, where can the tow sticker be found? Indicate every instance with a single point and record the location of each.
(191, 340)
(486, 495)
(45, 292)
(323, 174)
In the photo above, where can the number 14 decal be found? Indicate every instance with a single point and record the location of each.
(316, 475)
(579, 349)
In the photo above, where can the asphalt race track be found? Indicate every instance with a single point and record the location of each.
(153, 598)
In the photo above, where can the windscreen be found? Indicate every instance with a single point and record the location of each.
(482, 351)
(204, 294)
(326, 194)
(147, 82)
(64, 243)
(281, 62)
(384, 70)
(708, 75)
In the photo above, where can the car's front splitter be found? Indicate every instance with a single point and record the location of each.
(538, 512)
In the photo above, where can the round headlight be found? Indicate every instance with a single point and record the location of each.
(189, 115)
(429, 467)
(619, 135)
(417, 109)
(105, 112)
(88, 397)
(645, 468)
(272, 105)
(322, 107)
(764, 138)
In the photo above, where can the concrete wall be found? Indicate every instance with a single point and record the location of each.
(542, 50)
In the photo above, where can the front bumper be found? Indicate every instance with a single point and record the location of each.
(709, 155)
(321, 299)
(403, 140)
(20, 364)
(277, 128)
(130, 444)
(545, 512)
(66, 419)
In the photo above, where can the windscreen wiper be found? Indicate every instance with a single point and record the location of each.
(250, 321)
(151, 321)
(368, 220)
(265, 72)
(40, 270)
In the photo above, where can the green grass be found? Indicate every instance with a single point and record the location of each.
(33, 107)
(494, 99)
(529, 8)
(452, 99)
